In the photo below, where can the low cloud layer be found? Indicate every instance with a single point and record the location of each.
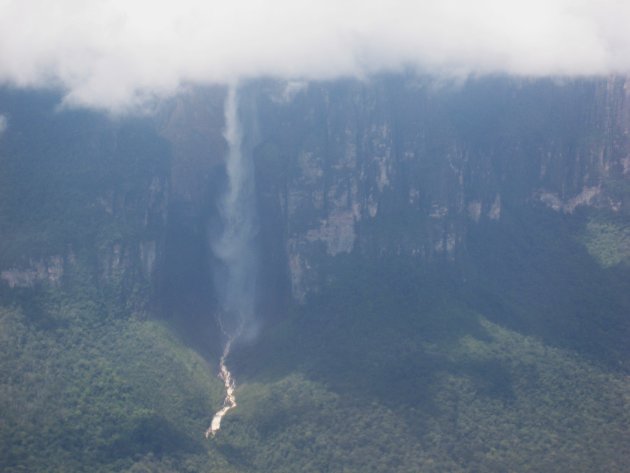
(117, 54)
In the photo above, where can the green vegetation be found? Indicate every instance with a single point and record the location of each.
(100, 396)
(500, 402)
(397, 377)
(608, 242)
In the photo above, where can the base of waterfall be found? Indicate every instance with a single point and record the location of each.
(230, 398)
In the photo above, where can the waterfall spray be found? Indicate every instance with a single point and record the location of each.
(235, 272)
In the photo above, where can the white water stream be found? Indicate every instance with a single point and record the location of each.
(230, 399)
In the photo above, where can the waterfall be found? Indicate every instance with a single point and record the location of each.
(234, 249)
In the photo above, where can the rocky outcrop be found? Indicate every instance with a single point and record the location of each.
(49, 270)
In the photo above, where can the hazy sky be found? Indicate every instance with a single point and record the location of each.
(119, 53)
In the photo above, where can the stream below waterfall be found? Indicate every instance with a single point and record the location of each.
(230, 398)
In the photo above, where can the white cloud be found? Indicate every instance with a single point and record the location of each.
(119, 53)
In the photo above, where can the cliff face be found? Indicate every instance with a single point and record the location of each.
(394, 167)
(83, 197)
(405, 167)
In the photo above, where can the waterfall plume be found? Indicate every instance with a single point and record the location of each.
(234, 250)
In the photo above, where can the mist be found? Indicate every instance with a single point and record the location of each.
(234, 247)
(120, 56)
